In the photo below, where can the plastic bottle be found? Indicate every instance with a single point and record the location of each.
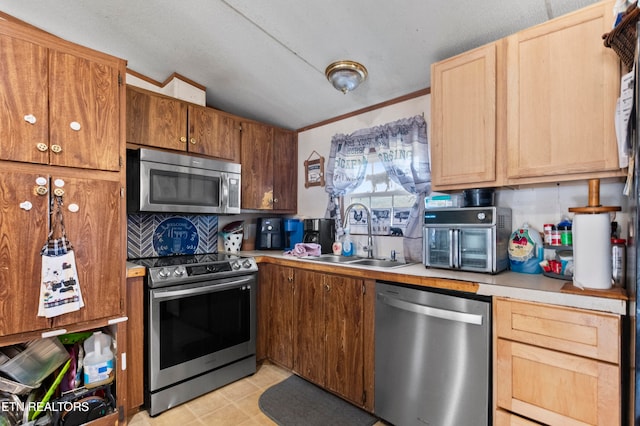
(566, 235)
(347, 244)
(98, 359)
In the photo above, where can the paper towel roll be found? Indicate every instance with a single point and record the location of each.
(592, 251)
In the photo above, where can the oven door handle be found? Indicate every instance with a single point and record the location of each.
(166, 294)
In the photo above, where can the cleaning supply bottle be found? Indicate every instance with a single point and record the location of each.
(347, 244)
(98, 359)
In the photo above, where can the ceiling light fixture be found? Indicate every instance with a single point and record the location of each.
(346, 75)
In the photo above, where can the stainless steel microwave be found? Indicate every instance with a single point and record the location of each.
(472, 239)
(159, 182)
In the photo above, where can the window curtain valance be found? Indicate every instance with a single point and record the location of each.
(403, 149)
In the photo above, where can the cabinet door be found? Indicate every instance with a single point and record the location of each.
(257, 166)
(24, 96)
(285, 171)
(135, 342)
(213, 133)
(556, 388)
(95, 232)
(309, 327)
(463, 113)
(562, 90)
(156, 120)
(343, 316)
(23, 232)
(84, 99)
(278, 312)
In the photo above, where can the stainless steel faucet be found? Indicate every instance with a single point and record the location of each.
(369, 246)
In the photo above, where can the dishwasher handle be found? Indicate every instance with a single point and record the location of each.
(430, 311)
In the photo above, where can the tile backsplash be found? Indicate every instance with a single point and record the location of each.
(153, 235)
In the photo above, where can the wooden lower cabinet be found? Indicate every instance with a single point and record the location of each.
(557, 365)
(320, 326)
(135, 343)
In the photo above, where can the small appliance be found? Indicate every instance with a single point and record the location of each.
(467, 238)
(270, 233)
(161, 182)
(320, 231)
(293, 233)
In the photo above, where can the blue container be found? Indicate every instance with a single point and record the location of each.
(293, 233)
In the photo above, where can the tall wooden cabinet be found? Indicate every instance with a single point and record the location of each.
(56, 102)
(62, 114)
(164, 122)
(556, 365)
(537, 106)
(269, 157)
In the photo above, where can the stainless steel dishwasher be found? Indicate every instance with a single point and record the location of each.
(432, 357)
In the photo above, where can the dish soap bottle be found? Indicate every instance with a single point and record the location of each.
(347, 244)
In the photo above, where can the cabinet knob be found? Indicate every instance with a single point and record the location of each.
(56, 148)
(275, 200)
(41, 190)
(327, 287)
(183, 139)
(75, 126)
(58, 192)
(42, 147)
(193, 141)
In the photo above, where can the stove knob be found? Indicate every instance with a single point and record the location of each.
(235, 266)
(164, 273)
(247, 264)
(180, 271)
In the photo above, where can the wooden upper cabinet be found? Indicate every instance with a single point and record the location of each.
(257, 166)
(214, 133)
(164, 122)
(464, 113)
(156, 120)
(285, 171)
(269, 158)
(562, 90)
(57, 107)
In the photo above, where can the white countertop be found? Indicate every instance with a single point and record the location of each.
(530, 287)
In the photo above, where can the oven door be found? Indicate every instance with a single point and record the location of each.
(195, 328)
(439, 247)
(476, 249)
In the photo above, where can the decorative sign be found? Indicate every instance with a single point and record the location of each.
(314, 171)
(175, 236)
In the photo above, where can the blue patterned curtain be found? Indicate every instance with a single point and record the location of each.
(403, 149)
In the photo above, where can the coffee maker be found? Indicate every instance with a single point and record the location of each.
(293, 233)
(321, 231)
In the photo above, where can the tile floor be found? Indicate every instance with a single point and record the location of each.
(234, 405)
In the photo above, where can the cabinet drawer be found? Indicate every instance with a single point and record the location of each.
(575, 331)
(555, 387)
(504, 418)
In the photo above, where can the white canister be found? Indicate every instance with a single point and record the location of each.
(592, 251)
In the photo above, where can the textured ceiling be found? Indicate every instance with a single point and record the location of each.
(265, 59)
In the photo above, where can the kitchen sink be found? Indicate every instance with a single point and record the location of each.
(357, 261)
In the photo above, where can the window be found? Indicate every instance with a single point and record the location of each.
(389, 203)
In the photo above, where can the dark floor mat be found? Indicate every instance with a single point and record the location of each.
(296, 402)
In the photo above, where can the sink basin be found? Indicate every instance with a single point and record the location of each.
(334, 258)
(358, 261)
(380, 263)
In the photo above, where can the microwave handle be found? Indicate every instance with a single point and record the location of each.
(224, 198)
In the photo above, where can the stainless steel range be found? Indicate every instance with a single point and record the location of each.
(200, 325)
